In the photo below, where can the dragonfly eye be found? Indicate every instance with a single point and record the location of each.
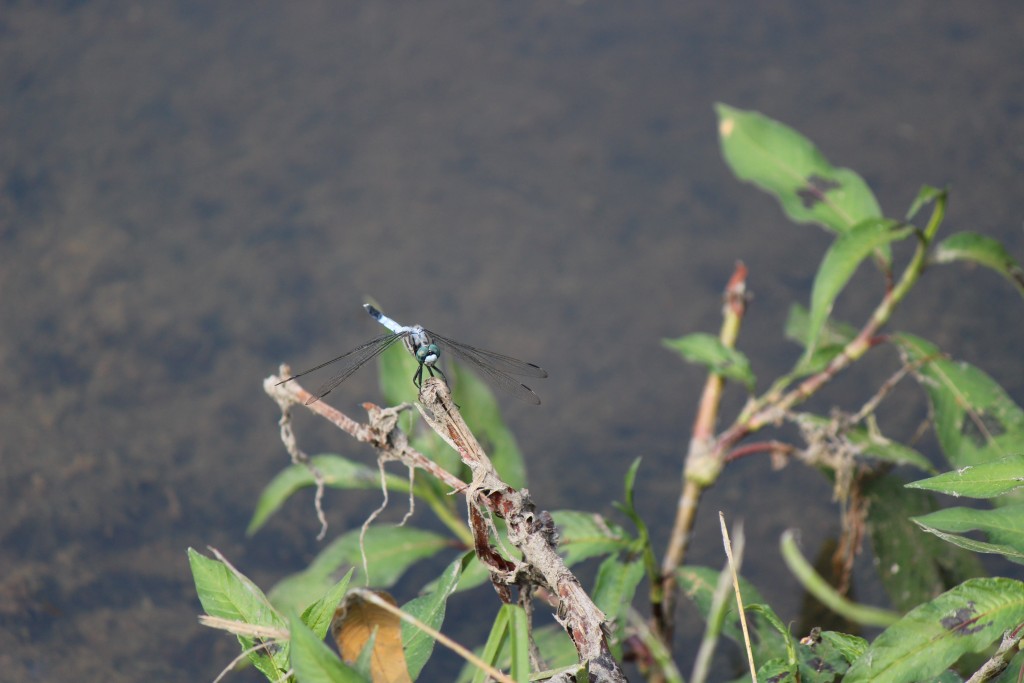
(428, 353)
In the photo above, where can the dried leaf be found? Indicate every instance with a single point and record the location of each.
(354, 624)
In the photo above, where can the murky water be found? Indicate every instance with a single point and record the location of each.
(193, 193)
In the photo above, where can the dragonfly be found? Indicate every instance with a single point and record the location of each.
(426, 347)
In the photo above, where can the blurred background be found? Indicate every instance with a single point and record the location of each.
(194, 192)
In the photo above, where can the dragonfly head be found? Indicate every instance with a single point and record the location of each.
(427, 354)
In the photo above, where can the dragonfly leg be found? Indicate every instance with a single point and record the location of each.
(417, 379)
(433, 368)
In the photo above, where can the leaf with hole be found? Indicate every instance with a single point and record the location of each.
(976, 421)
(933, 636)
(787, 165)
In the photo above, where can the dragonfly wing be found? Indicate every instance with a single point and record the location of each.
(348, 363)
(498, 361)
(493, 374)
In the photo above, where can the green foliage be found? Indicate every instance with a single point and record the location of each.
(338, 472)
(931, 637)
(585, 535)
(509, 640)
(615, 585)
(828, 656)
(841, 261)
(1004, 525)
(832, 337)
(913, 567)
(941, 612)
(987, 480)
(429, 609)
(975, 419)
(698, 584)
(985, 251)
(787, 165)
(228, 595)
(313, 662)
(389, 550)
(708, 351)
(480, 409)
(319, 614)
(978, 426)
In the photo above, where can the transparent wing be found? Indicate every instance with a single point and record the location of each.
(348, 363)
(496, 368)
(500, 362)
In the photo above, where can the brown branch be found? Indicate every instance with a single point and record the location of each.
(381, 431)
(775, 448)
(532, 533)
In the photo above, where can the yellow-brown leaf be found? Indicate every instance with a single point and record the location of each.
(354, 622)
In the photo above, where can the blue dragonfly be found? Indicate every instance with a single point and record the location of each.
(426, 347)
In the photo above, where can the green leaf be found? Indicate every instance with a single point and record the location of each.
(925, 196)
(832, 338)
(397, 368)
(508, 645)
(787, 165)
(474, 574)
(555, 646)
(839, 265)
(986, 480)
(776, 671)
(615, 585)
(519, 642)
(975, 420)
(930, 638)
(481, 412)
(1009, 552)
(826, 658)
(628, 486)
(709, 351)
(390, 551)
(314, 662)
(913, 567)
(819, 359)
(1004, 526)
(556, 651)
(430, 610)
(585, 535)
(698, 584)
(773, 620)
(228, 594)
(851, 646)
(985, 251)
(364, 662)
(833, 333)
(318, 616)
(338, 473)
(628, 507)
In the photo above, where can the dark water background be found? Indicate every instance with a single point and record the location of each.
(193, 192)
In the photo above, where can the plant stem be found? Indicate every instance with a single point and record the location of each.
(701, 469)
